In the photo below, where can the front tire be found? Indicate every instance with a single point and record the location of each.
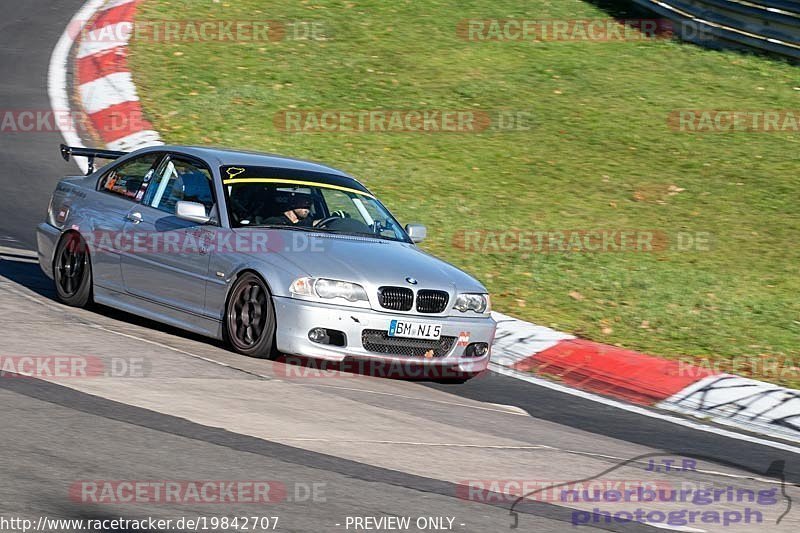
(72, 271)
(250, 318)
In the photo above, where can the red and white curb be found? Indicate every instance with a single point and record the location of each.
(94, 49)
(741, 402)
(95, 46)
(522, 348)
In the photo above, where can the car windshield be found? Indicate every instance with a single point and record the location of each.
(305, 201)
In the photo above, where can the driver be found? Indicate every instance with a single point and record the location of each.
(296, 215)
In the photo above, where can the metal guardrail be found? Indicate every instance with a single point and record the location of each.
(768, 25)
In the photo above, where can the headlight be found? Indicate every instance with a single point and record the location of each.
(302, 287)
(329, 289)
(480, 303)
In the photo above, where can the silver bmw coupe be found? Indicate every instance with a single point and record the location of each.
(274, 255)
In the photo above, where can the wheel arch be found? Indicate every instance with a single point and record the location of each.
(61, 237)
(239, 274)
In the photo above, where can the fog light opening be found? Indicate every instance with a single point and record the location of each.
(319, 335)
(476, 349)
(327, 336)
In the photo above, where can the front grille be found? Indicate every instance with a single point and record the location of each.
(396, 298)
(379, 341)
(431, 301)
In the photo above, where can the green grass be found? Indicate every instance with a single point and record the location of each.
(600, 155)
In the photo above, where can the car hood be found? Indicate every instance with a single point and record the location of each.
(373, 262)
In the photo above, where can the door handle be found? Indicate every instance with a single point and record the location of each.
(134, 217)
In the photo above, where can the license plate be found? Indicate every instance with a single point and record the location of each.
(414, 330)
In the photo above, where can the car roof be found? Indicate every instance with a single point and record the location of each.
(225, 157)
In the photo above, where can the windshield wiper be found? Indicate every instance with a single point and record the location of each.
(314, 229)
(370, 235)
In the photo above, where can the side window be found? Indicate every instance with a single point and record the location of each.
(128, 178)
(178, 180)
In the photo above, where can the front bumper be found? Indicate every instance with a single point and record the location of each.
(297, 317)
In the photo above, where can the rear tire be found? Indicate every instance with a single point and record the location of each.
(250, 318)
(72, 271)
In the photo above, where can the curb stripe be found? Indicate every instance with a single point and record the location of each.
(109, 90)
(741, 402)
(115, 3)
(120, 120)
(99, 65)
(115, 13)
(137, 140)
(613, 371)
(107, 38)
(515, 340)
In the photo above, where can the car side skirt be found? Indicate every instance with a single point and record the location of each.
(203, 325)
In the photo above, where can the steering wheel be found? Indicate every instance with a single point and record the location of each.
(328, 220)
(238, 209)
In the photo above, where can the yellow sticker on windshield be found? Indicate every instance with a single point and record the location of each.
(297, 182)
(234, 171)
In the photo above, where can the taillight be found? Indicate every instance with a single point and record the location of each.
(57, 217)
(50, 218)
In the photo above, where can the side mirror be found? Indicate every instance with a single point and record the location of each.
(192, 211)
(417, 232)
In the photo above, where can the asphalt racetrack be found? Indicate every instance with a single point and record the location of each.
(335, 449)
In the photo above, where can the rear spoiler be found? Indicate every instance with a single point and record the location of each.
(91, 153)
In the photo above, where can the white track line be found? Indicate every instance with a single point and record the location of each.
(413, 443)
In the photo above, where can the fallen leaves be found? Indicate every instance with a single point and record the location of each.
(656, 193)
(674, 189)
